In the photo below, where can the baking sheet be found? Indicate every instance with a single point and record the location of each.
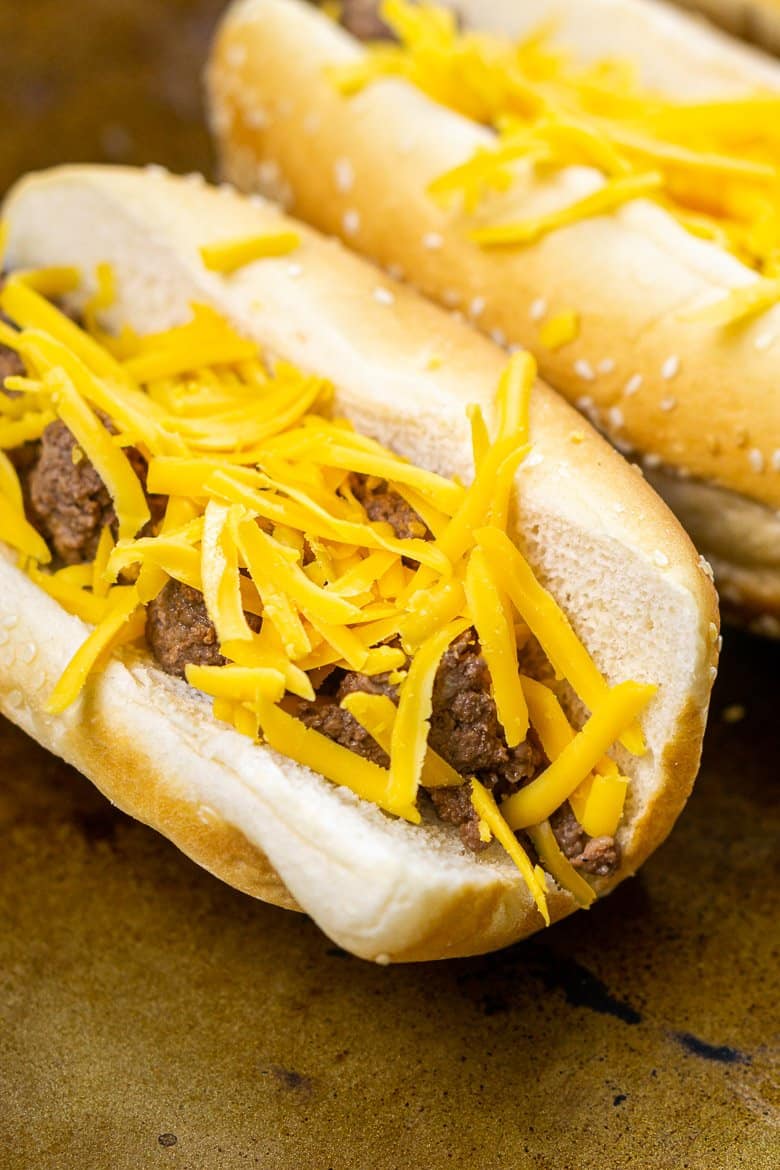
(150, 1016)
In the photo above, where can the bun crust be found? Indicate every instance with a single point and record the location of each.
(707, 410)
(595, 532)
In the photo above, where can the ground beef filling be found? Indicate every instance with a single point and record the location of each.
(66, 498)
(362, 19)
(11, 365)
(179, 631)
(599, 856)
(383, 504)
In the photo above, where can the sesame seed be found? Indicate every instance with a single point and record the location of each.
(606, 366)
(451, 297)
(712, 630)
(351, 222)
(756, 459)
(538, 309)
(652, 459)
(775, 459)
(632, 385)
(383, 296)
(395, 271)
(764, 340)
(584, 402)
(734, 713)
(706, 568)
(498, 336)
(667, 404)
(671, 367)
(477, 306)
(584, 370)
(618, 507)
(343, 175)
(433, 241)
(268, 171)
(615, 416)
(294, 270)
(660, 558)
(236, 54)
(256, 119)
(195, 179)
(713, 673)
(156, 170)
(534, 459)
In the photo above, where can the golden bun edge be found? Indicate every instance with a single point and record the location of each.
(594, 531)
(707, 412)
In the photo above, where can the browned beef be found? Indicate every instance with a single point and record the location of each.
(331, 720)
(68, 497)
(382, 503)
(595, 855)
(179, 631)
(376, 684)
(362, 19)
(10, 363)
(464, 725)
(69, 500)
(454, 807)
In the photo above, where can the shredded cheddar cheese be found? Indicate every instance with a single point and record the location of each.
(487, 810)
(262, 517)
(714, 165)
(230, 255)
(560, 330)
(558, 865)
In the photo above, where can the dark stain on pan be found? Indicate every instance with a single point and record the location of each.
(289, 1079)
(619, 1098)
(167, 1139)
(581, 987)
(720, 1053)
(97, 824)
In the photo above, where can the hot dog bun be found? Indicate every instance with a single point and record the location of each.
(707, 419)
(603, 542)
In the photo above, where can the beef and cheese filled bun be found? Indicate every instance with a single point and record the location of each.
(316, 582)
(611, 205)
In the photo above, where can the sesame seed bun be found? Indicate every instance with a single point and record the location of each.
(697, 405)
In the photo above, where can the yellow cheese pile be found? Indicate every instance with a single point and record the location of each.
(260, 519)
(714, 165)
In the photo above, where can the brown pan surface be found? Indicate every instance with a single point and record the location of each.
(150, 1016)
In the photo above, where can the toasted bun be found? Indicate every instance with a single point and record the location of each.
(707, 413)
(755, 20)
(596, 533)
